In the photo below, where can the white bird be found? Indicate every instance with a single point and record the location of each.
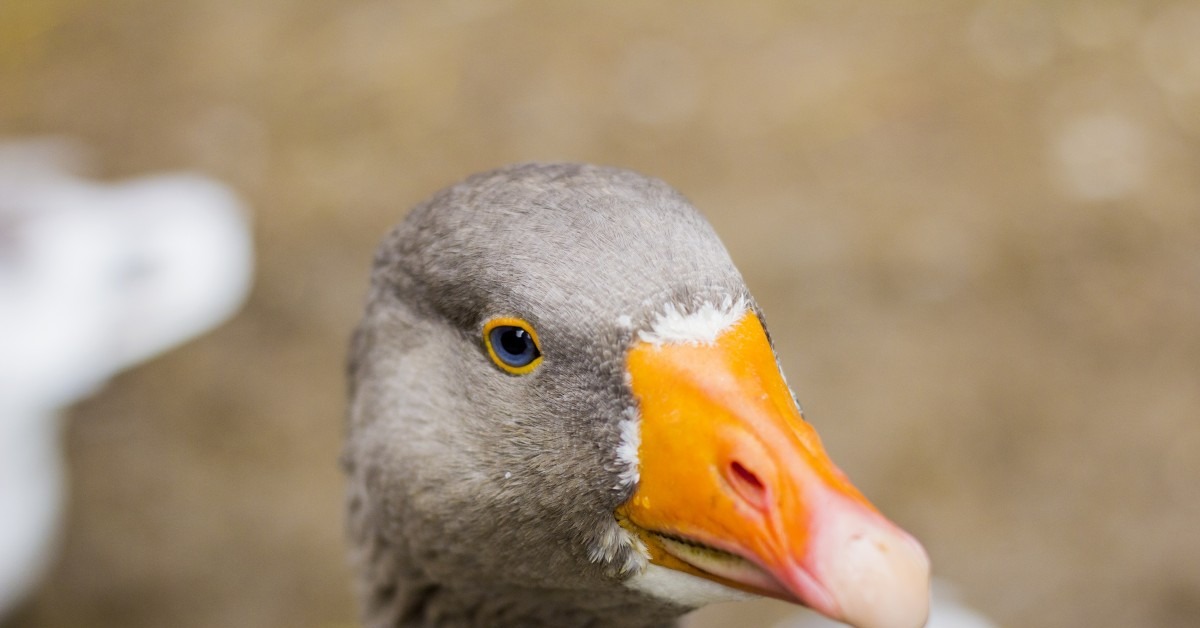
(946, 610)
(94, 278)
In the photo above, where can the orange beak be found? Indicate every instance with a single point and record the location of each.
(735, 487)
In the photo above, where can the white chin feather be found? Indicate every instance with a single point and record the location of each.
(683, 589)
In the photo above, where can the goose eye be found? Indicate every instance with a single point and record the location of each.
(512, 344)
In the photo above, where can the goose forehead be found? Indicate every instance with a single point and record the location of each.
(560, 266)
(593, 231)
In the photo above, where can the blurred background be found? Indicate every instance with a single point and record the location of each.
(974, 227)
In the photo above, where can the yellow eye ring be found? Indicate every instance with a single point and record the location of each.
(512, 344)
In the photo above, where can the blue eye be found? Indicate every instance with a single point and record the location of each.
(512, 344)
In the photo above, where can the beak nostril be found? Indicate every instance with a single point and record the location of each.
(748, 485)
(746, 475)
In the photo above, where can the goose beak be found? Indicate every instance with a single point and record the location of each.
(735, 487)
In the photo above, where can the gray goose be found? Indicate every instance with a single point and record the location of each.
(565, 411)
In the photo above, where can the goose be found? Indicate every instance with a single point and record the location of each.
(565, 410)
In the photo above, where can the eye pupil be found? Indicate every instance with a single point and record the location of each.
(515, 341)
(514, 346)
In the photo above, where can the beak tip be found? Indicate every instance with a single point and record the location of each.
(877, 574)
(883, 581)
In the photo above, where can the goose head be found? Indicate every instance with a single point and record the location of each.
(565, 410)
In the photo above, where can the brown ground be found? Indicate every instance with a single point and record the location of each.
(975, 229)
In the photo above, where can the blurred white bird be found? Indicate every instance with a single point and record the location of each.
(94, 278)
(945, 611)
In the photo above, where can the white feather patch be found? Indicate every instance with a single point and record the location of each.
(621, 552)
(627, 450)
(701, 326)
